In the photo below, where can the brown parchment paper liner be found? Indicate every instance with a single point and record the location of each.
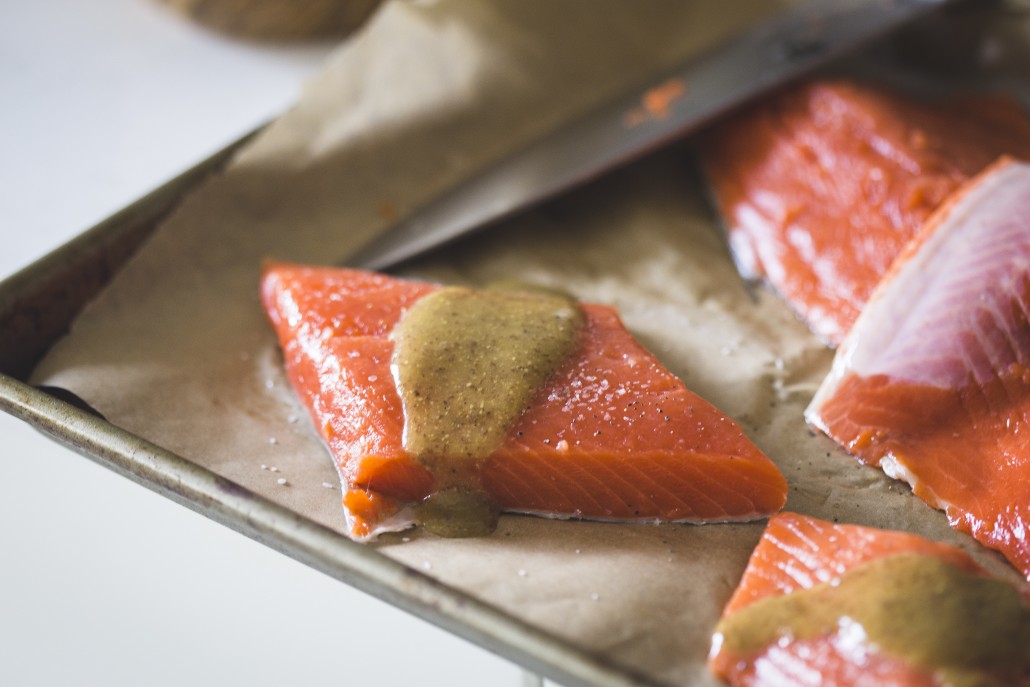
(178, 350)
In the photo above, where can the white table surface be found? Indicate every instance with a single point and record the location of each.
(101, 581)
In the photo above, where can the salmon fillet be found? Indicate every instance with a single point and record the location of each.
(933, 383)
(798, 552)
(612, 436)
(822, 185)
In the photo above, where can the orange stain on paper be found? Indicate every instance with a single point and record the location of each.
(657, 102)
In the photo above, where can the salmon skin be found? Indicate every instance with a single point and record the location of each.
(933, 383)
(798, 552)
(822, 185)
(612, 435)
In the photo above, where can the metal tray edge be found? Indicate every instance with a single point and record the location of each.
(36, 308)
(314, 545)
(38, 303)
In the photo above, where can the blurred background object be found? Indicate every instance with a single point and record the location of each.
(274, 20)
(982, 34)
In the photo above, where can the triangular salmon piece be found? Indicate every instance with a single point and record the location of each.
(933, 383)
(798, 553)
(612, 436)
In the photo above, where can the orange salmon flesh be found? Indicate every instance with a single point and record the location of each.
(798, 552)
(612, 436)
(823, 184)
(933, 382)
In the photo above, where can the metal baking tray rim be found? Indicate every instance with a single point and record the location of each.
(38, 305)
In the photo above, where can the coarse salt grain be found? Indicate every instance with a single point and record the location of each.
(281, 481)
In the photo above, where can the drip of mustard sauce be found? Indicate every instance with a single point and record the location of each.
(467, 363)
(968, 627)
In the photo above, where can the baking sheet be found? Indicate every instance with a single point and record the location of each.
(177, 350)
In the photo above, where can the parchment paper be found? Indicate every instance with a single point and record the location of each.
(178, 350)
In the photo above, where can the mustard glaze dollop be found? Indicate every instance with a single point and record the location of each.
(467, 363)
(969, 628)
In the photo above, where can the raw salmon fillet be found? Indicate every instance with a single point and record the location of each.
(822, 185)
(612, 436)
(798, 552)
(933, 383)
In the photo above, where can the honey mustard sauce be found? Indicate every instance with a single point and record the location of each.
(467, 363)
(968, 628)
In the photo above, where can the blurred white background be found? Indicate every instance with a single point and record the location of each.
(101, 581)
